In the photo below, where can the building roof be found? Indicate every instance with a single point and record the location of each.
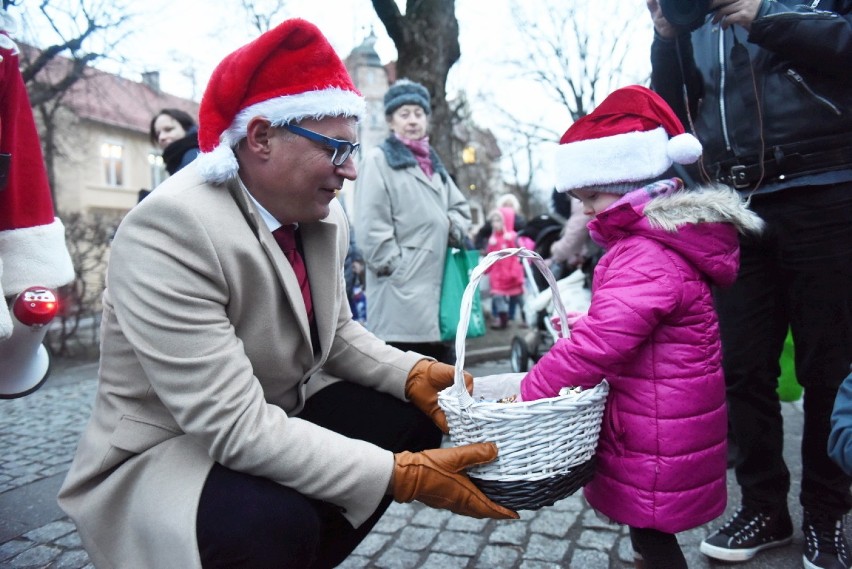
(113, 100)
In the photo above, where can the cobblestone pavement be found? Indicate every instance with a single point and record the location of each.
(38, 435)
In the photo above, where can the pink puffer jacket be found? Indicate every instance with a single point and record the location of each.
(652, 332)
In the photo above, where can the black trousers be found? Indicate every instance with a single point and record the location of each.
(247, 522)
(659, 550)
(444, 352)
(797, 274)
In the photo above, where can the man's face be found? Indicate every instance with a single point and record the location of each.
(298, 181)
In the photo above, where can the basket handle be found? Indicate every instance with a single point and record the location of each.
(459, 389)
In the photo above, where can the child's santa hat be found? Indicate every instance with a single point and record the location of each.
(632, 136)
(32, 239)
(287, 74)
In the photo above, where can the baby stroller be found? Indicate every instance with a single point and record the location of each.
(537, 301)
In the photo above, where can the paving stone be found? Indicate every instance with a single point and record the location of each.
(543, 548)
(415, 538)
(431, 517)
(355, 562)
(50, 532)
(554, 523)
(597, 539)
(71, 560)
(498, 556)
(458, 543)
(397, 558)
(390, 524)
(13, 547)
(588, 559)
(511, 533)
(444, 561)
(38, 556)
(464, 523)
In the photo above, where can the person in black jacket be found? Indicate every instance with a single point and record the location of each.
(766, 84)
(175, 132)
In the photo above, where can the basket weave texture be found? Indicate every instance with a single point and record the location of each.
(546, 447)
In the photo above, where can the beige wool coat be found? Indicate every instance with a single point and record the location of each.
(206, 356)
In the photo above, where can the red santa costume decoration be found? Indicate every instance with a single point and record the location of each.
(288, 74)
(32, 239)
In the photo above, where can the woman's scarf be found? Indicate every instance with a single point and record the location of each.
(420, 149)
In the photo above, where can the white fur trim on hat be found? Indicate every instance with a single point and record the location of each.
(221, 164)
(684, 149)
(629, 157)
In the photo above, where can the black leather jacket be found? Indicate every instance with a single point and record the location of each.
(790, 97)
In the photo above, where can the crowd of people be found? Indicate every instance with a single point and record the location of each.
(244, 418)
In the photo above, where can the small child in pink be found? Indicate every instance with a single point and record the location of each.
(651, 330)
(506, 276)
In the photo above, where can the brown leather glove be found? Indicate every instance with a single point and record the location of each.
(436, 478)
(425, 380)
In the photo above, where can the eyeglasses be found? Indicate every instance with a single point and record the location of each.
(343, 149)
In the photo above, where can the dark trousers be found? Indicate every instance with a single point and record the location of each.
(247, 522)
(798, 273)
(444, 352)
(658, 549)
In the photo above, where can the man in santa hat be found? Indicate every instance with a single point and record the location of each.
(243, 419)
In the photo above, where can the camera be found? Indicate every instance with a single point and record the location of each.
(686, 15)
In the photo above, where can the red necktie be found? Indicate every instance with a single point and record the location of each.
(286, 238)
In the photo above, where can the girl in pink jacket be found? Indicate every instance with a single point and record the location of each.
(507, 275)
(651, 330)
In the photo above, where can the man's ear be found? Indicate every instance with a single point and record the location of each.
(258, 134)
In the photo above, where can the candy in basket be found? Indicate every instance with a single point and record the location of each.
(546, 447)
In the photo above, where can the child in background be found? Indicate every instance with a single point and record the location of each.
(651, 330)
(506, 276)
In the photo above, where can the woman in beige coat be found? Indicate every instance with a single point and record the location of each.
(408, 211)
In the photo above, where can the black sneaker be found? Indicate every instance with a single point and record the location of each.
(748, 533)
(825, 542)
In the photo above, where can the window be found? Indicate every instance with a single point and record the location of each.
(158, 169)
(111, 158)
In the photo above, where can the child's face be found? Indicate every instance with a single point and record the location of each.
(496, 222)
(595, 202)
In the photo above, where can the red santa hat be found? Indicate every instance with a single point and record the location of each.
(32, 239)
(287, 74)
(632, 136)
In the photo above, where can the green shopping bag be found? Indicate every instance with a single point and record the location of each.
(457, 268)
(788, 387)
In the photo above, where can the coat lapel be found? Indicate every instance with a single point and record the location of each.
(280, 264)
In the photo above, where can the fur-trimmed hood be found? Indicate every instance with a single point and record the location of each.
(400, 157)
(700, 224)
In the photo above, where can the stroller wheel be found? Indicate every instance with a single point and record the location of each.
(520, 356)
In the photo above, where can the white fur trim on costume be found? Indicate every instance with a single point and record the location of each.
(35, 256)
(684, 149)
(217, 167)
(5, 317)
(628, 157)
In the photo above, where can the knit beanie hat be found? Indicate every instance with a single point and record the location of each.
(407, 92)
(287, 74)
(632, 136)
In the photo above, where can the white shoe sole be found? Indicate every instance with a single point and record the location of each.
(725, 554)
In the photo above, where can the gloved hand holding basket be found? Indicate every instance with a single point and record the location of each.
(546, 447)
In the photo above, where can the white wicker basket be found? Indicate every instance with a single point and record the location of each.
(546, 447)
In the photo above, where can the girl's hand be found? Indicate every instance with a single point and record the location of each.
(571, 317)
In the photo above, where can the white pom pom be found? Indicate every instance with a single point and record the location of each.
(218, 166)
(683, 149)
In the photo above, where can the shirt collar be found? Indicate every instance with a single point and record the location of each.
(268, 219)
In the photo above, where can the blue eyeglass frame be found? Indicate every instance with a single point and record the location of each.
(343, 149)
